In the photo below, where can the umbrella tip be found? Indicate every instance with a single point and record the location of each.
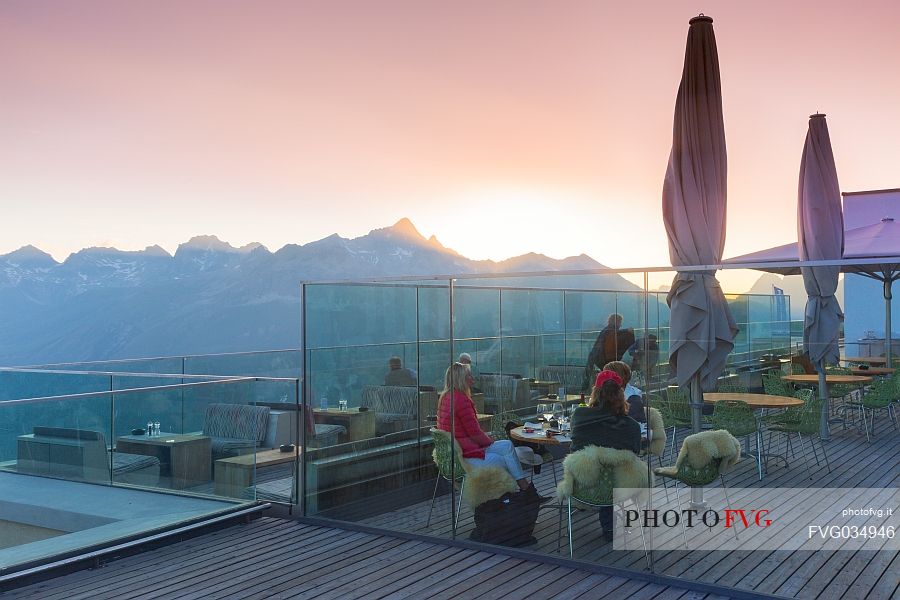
(701, 18)
(818, 114)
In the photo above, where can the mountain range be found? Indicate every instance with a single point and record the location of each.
(104, 303)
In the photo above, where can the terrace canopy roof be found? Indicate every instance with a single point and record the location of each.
(870, 242)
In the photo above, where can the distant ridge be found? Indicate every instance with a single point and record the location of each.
(211, 296)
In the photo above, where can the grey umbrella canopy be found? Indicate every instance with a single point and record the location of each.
(870, 243)
(820, 236)
(702, 328)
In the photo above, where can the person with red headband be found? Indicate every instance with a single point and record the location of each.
(605, 422)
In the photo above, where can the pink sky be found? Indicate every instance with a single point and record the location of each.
(501, 127)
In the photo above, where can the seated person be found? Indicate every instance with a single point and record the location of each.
(477, 447)
(466, 359)
(633, 395)
(397, 375)
(605, 422)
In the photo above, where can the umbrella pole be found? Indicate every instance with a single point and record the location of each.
(887, 322)
(696, 426)
(825, 428)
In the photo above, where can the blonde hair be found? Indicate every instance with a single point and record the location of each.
(457, 379)
(619, 368)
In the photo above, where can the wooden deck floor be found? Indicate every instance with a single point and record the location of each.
(855, 463)
(275, 558)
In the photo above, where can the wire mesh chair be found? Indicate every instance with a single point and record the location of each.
(774, 385)
(595, 495)
(695, 477)
(446, 454)
(676, 412)
(808, 421)
(880, 397)
(737, 418)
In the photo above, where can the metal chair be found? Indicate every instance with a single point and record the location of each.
(881, 396)
(807, 421)
(595, 495)
(692, 477)
(446, 454)
(774, 385)
(737, 418)
(676, 412)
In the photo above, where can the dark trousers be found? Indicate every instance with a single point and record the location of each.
(606, 519)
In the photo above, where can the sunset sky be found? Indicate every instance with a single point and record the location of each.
(501, 127)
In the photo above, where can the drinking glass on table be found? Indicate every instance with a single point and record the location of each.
(542, 409)
(559, 411)
(548, 412)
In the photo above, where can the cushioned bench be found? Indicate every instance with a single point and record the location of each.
(235, 428)
(81, 454)
(395, 406)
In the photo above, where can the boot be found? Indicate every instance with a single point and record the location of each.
(532, 494)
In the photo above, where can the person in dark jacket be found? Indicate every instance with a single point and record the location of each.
(611, 344)
(605, 422)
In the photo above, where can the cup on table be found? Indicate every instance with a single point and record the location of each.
(342, 405)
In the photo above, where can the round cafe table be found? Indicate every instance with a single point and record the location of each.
(871, 360)
(872, 371)
(754, 400)
(538, 437)
(850, 379)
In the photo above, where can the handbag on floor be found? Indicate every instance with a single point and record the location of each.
(507, 521)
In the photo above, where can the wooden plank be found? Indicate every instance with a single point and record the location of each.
(342, 551)
(178, 577)
(888, 585)
(386, 569)
(518, 587)
(414, 583)
(507, 579)
(432, 561)
(148, 561)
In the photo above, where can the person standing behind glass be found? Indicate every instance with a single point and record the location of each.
(605, 422)
(611, 344)
(397, 375)
(645, 362)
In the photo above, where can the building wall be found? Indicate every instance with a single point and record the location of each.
(864, 297)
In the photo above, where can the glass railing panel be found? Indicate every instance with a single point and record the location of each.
(167, 364)
(78, 471)
(29, 383)
(278, 363)
(363, 456)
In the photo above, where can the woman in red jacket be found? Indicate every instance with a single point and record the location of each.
(477, 447)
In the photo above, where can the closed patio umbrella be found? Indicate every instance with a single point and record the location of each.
(702, 328)
(820, 236)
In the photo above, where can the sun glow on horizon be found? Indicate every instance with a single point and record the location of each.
(497, 222)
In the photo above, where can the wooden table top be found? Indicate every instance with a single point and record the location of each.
(753, 400)
(538, 437)
(872, 371)
(261, 458)
(859, 379)
(164, 439)
(871, 360)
